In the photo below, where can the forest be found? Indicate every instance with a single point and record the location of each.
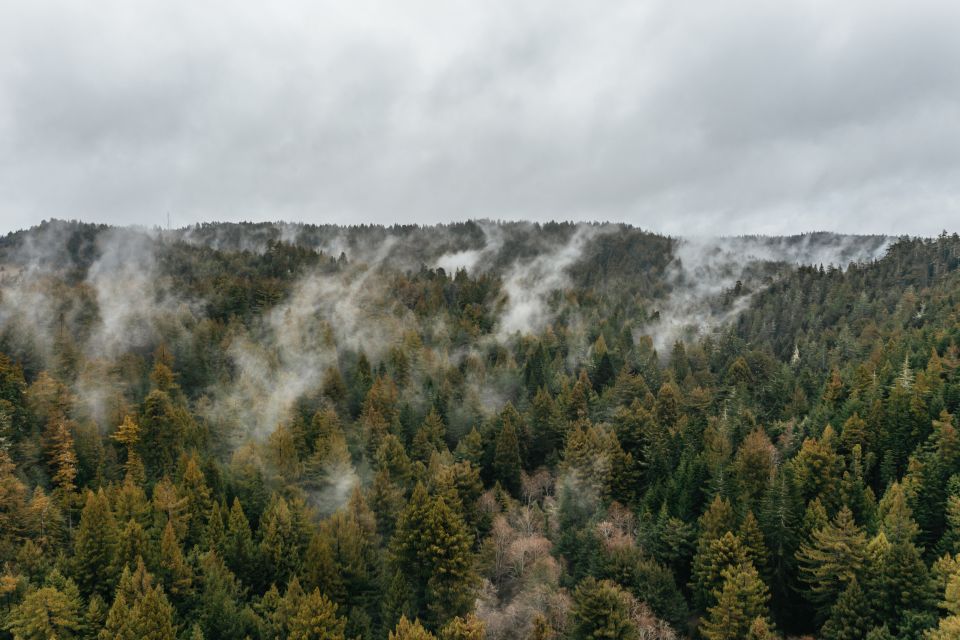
(481, 430)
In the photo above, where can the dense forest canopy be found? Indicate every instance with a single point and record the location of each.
(477, 430)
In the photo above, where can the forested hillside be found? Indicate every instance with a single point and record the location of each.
(477, 430)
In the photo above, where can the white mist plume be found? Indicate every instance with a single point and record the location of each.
(134, 301)
(703, 269)
(287, 355)
(472, 259)
(528, 283)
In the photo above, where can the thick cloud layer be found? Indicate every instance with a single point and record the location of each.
(746, 117)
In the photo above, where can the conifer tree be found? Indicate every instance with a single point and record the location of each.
(832, 558)
(95, 546)
(64, 459)
(741, 600)
(133, 544)
(431, 547)
(280, 546)
(601, 609)
(317, 619)
(754, 546)
(850, 617)
(162, 433)
(128, 435)
(218, 610)
(506, 460)
(46, 613)
(196, 493)
(176, 572)
(469, 627)
(710, 565)
(407, 630)
(215, 531)
(546, 426)
(240, 553)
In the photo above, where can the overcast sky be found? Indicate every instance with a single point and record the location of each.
(733, 117)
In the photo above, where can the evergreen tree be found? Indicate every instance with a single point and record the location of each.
(832, 558)
(466, 628)
(431, 547)
(710, 565)
(601, 609)
(240, 553)
(407, 630)
(741, 600)
(506, 461)
(196, 493)
(46, 613)
(128, 435)
(317, 619)
(95, 546)
(64, 459)
(850, 617)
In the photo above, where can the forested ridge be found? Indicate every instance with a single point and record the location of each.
(477, 430)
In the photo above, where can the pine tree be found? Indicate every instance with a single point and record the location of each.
(240, 553)
(506, 461)
(902, 589)
(281, 544)
(761, 629)
(196, 493)
(710, 565)
(431, 547)
(162, 433)
(317, 619)
(407, 630)
(948, 627)
(133, 544)
(601, 609)
(754, 467)
(128, 435)
(95, 546)
(177, 574)
(154, 616)
(469, 627)
(343, 561)
(850, 617)
(64, 458)
(753, 544)
(139, 610)
(429, 437)
(832, 558)
(218, 610)
(215, 532)
(46, 613)
(546, 426)
(282, 453)
(741, 600)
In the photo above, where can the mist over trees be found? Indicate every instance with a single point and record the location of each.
(479, 430)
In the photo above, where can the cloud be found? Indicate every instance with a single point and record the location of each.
(705, 269)
(722, 117)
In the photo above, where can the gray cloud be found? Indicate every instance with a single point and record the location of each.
(746, 117)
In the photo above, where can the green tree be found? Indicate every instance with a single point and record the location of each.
(240, 553)
(95, 546)
(506, 459)
(710, 566)
(601, 610)
(431, 547)
(832, 558)
(46, 613)
(317, 619)
(850, 617)
(742, 599)
(407, 630)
